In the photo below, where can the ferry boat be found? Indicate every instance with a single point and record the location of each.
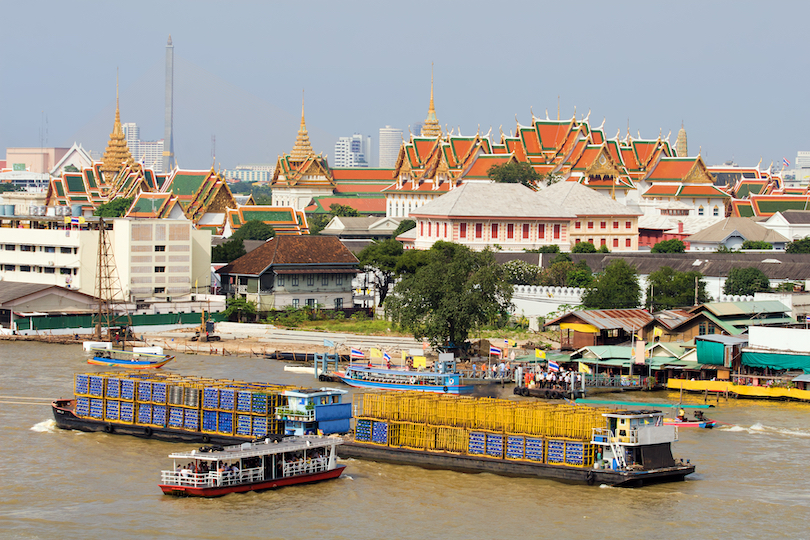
(443, 379)
(133, 359)
(256, 466)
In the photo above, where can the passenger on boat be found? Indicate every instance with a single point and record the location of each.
(681, 415)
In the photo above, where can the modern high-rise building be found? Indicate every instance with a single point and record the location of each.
(352, 151)
(390, 141)
(150, 153)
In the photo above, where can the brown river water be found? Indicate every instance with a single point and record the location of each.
(751, 479)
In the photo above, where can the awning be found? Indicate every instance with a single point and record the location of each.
(580, 327)
(318, 271)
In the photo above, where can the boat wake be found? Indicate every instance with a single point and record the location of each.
(759, 428)
(46, 426)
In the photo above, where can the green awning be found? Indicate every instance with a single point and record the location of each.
(774, 360)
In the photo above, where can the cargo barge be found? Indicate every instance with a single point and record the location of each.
(559, 442)
(188, 409)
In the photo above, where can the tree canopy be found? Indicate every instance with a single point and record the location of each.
(583, 247)
(515, 172)
(669, 246)
(799, 246)
(404, 225)
(756, 244)
(523, 273)
(254, 230)
(615, 288)
(380, 259)
(746, 281)
(236, 305)
(671, 289)
(455, 291)
(228, 251)
(115, 208)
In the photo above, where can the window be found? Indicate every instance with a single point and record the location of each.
(479, 230)
(49, 270)
(160, 248)
(280, 280)
(716, 211)
(590, 240)
(428, 227)
(49, 249)
(711, 329)
(628, 224)
(295, 303)
(590, 224)
(10, 247)
(494, 233)
(462, 230)
(615, 224)
(702, 329)
(339, 279)
(700, 211)
(603, 225)
(310, 280)
(338, 303)
(26, 248)
(556, 232)
(65, 271)
(541, 231)
(603, 242)
(421, 228)
(628, 242)
(9, 267)
(160, 269)
(25, 268)
(325, 280)
(295, 281)
(65, 250)
(510, 231)
(576, 240)
(577, 225)
(160, 290)
(615, 242)
(311, 302)
(526, 228)
(445, 230)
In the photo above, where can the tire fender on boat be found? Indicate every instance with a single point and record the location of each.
(147, 431)
(445, 389)
(589, 478)
(108, 428)
(206, 439)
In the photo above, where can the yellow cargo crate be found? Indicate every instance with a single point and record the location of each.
(451, 439)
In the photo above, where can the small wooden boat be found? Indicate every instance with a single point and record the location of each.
(217, 471)
(705, 423)
(128, 359)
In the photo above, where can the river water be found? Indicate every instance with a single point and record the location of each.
(750, 480)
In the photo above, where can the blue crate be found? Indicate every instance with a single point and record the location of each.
(113, 388)
(515, 447)
(259, 405)
(175, 417)
(128, 389)
(127, 411)
(159, 415)
(96, 408)
(244, 424)
(227, 399)
(159, 392)
(495, 444)
(259, 426)
(82, 406)
(362, 431)
(144, 391)
(210, 398)
(144, 413)
(379, 433)
(111, 409)
(555, 452)
(209, 420)
(534, 449)
(96, 386)
(477, 443)
(244, 399)
(191, 419)
(81, 386)
(225, 422)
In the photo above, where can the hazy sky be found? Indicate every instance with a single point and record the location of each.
(734, 72)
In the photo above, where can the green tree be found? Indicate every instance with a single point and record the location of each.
(672, 289)
(343, 210)
(567, 274)
(8, 186)
(603, 249)
(725, 249)
(799, 246)
(317, 222)
(228, 251)
(411, 261)
(562, 257)
(240, 307)
(254, 230)
(523, 273)
(615, 288)
(756, 244)
(404, 225)
(669, 246)
(115, 208)
(746, 281)
(380, 259)
(583, 247)
(457, 290)
(515, 172)
(553, 248)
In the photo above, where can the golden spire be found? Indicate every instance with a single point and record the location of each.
(117, 153)
(302, 149)
(431, 127)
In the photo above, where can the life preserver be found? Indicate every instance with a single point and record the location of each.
(445, 389)
(147, 431)
(108, 428)
(412, 380)
(206, 439)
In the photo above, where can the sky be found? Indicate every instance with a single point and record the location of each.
(735, 73)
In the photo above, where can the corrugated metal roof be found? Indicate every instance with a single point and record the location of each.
(724, 309)
(630, 320)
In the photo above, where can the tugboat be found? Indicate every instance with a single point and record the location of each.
(256, 466)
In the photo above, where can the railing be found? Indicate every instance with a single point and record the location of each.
(189, 478)
(307, 466)
(307, 415)
(601, 381)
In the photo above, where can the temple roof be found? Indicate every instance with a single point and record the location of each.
(302, 149)
(117, 153)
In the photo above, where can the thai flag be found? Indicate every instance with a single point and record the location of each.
(553, 366)
(386, 357)
(785, 162)
(494, 350)
(357, 353)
